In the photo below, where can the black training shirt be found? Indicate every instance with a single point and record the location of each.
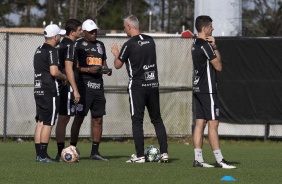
(90, 54)
(67, 51)
(44, 83)
(139, 55)
(204, 78)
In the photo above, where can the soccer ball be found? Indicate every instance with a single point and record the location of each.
(70, 154)
(152, 154)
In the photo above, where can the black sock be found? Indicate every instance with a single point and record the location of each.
(60, 147)
(37, 148)
(73, 143)
(95, 147)
(43, 150)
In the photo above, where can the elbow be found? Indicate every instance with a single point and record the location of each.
(219, 69)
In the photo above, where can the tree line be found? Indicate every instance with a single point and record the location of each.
(259, 17)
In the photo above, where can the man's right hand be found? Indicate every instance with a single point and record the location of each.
(76, 97)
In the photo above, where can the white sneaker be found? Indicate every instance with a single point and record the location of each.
(225, 165)
(164, 158)
(201, 164)
(135, 159)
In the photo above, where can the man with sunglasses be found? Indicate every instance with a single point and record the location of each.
(207, 61)
(92, 57)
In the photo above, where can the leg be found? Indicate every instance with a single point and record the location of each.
(137, 99)
(61, 133)
(198, 133)
(213, 134)
(153, 106)
(37, 132)
(44, 139)
(198, 143)
(77, 122)
(61, 128)
(97, 128)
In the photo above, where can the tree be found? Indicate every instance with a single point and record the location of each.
(5, 9)
(112, 14)
(262, 18)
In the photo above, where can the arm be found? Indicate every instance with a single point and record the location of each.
(216, 62)
(71, 78)
(105, 65)
(114, 49)
(56, 73)
(91, 69)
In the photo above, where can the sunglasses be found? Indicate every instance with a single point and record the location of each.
(92, 32)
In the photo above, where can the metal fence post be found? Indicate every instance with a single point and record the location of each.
(6, 87)
(266, 132)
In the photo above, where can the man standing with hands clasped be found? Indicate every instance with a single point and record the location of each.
(92, 58)
(207, 61)
(139, 56)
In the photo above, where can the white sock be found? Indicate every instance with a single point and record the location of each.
(218, 155)
(199, 155)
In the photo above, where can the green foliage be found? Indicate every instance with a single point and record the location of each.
(257, 162)
(262, 18)
(5, 9)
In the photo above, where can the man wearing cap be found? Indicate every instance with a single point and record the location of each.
(92, 57)
(69, 95)
(46, 93)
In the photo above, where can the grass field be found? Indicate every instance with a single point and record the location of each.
(256, 161)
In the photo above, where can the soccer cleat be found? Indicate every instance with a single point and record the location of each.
(201, 164)
(164, 158)
(225, 165)
(45, 160)
(98, 157)
(37, 158)
(58, 158)
(135, 159)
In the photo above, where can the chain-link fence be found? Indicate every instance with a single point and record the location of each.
(175, 75)
(17, 109)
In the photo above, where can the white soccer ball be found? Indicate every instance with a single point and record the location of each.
(70, 154)
(152, 153)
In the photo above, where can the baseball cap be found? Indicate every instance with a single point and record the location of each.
(89, 25)
(53, 30)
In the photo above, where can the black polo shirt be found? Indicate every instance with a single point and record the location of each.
(204, 76)
(139, 55)
(89, 54)
(44, 83)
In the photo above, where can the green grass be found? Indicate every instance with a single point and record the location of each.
(256, 161)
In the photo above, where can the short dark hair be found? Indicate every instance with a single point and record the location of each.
(72, 25)
(202, 21)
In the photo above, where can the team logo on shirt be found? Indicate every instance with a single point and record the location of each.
(217, 111)
(84, 43)
(141, 43)
(196, 80)
(100, 50)
(79, 107)
(37, 84)
(146, 67)
(149, 75)
(93, 85)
